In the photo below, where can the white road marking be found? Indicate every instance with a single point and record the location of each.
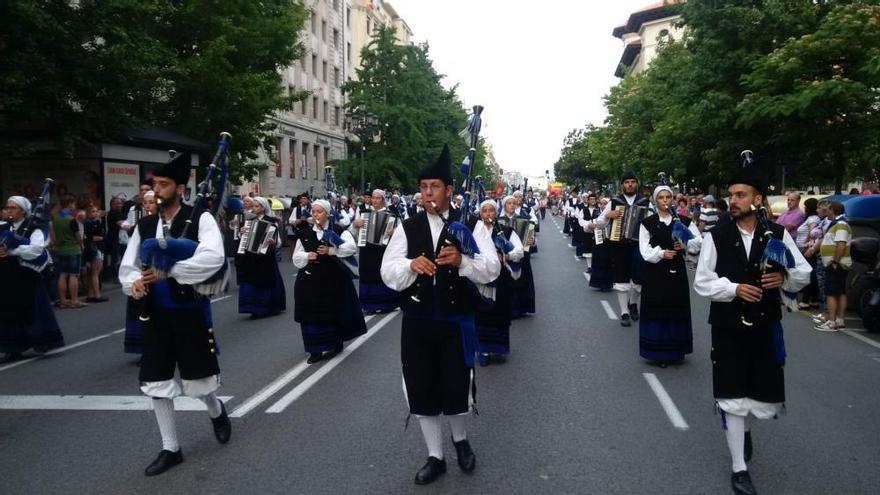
(671, 411)
(609, 310)
(306, 384)
(864, 339)
(78, 344)
(587, 276)
(95, 402)
(269, 390)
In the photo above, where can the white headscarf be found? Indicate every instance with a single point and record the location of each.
(22, 203)
(489, 202)
(325, 205)
(267, 210)
(506, 199)
(659, 189)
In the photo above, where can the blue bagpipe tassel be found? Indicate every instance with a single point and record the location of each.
(333, 238)
(463, 238)
(12, 240)
(681, 233)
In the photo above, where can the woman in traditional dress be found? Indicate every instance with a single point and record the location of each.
(523, 296)
(326, 304)
(493, 322)
(261, 288)
(27, 320)
(600, 272)
(665, 334)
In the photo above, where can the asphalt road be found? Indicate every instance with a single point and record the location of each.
(571, 411)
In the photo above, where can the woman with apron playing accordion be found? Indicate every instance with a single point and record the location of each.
(665, 333)
(493, 322)
(325, 303)
(523, 298)
(261, 288)
(375, 296)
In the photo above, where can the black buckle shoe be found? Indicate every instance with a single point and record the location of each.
(222, 425)
(430, 471)
(748, 446)
(634, 312)
(467, 461)
(625, 321)
(164, 462)
(315, 357)
(742, 483)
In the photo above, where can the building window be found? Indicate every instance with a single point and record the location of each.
(348, 16)
(324, 69)
(314, 107)
(335, 38)
(317, 164)
(315, 65)
(336, 81)
(369, 25)
(326, 113)
(292, 158)
(348, 52)
(336, 116)
(276, 156)
(304, 164)
(324, 31)
(304, 102)
(290, 91)
(314, 25)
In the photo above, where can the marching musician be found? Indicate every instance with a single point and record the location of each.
(415, 207)
(179, 334)
(27, 320)
(136, 207)
(325, 303)
(375, 296)
(586, 217)
(626, 262)
(133, 343)
(578, 235)
(261, 288)
(523, 299)
(748, 353)
(600, 266)
(493, 321)
(438, 337)
(397, 207)
(665, 333)
(527, 212)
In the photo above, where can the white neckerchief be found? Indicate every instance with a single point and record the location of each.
(630, 199)
(436, 225)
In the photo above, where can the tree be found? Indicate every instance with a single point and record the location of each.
(91, 69)
(576, 165)
(417, 115)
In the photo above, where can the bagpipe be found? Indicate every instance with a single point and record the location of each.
(472, 134)
(36, 219)
(455, 234)
(305, 232)
(162, 252)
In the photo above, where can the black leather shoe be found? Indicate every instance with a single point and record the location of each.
(625, 321)
(10, 357)
(742, 483)
(164, 462)
(222, 425)
(634, 312)
(467, 461)
(748, 449)
(315, 357)
(430, 471)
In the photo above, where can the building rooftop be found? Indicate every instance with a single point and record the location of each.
(650, 13)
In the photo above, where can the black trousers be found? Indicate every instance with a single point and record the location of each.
(436, 378)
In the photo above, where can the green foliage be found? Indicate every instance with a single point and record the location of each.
(417, 116)
(91, 69)
(793, 81)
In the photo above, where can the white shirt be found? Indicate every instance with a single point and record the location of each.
(29, 251)
(348, 248)
(653, 254)
(707, 283)
(208, 258)
(603, 219)
(586, 223)
(398, 275)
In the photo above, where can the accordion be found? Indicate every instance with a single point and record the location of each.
(377, 228)
(256, 235)
(524, 228)
(626, 227)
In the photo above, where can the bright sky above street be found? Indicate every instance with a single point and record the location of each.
(539, 68)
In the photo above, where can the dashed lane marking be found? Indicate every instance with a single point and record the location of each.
(609, 310)
(668, 405)
(95, 402)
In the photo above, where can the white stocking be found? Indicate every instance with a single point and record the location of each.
(459, 427)
(164, 409)
(432, 430)
(736, 440)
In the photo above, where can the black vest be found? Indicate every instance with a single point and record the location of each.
(665, 287)
(454, 294)
(147, 225)
(733, 265)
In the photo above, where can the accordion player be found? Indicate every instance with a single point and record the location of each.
(255, 236)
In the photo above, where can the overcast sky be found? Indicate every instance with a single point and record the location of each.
(539, 68)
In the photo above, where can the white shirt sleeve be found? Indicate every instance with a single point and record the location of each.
(485, 266)
(395, 270)
(694, 244)
(129, 221)
(602, 221)
(34, 249)
(130, 266)
(707, 283)
(208, 258)
(300, 256)
(799, 276)
(651, 254)
(348, 247)
(518, 252)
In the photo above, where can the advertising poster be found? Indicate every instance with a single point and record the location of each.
(121, 179)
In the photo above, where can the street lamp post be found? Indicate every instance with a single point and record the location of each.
(361, 123)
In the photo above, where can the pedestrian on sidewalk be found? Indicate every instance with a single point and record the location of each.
(837, 262)
(179, 337)
(93, 253)
(68, 245)
(748, 353)
(810, 293)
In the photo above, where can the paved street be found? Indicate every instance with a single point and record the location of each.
(573, 410)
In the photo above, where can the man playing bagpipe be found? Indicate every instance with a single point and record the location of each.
(745, 263)
(161, 270)
(626, 261)
(27, 320)
(435, 261)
